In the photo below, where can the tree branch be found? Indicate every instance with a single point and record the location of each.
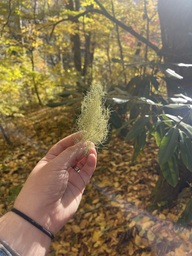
(119, 44)
(9, 15)
(129, 29)
(5, 136)
(105, 13)
(69, 19)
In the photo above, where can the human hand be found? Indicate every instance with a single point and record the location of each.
(53, 190)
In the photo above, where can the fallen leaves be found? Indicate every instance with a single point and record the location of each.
(112, 218)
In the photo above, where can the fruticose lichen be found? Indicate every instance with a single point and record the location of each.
(94, 117)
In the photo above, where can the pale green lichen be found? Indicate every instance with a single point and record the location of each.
(94, 117)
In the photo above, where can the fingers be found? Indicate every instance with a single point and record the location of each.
(86, 171)
(62, 145)
(72, 155)
(88, 161)
(87, 166)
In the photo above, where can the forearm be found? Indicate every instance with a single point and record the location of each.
(22, 237)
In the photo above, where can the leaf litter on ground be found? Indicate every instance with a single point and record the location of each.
(112, 218)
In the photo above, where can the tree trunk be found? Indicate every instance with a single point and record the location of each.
(119, 45)
(5, 136)
(34, 80)
(88, 60)
(164, 194)
(75, 40)
(83, 51)
(176, 23)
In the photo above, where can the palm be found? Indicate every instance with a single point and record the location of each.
(68, 204)
(68, 198)
(53, 190)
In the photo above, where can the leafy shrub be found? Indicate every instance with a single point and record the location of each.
(169, 121)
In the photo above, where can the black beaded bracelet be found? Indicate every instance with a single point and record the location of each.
(34, 223)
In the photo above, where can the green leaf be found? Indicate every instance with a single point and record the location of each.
(159, 131)
(139, 144)
(186, 128)
(170, 171)
(168, 145)
(185, 145)
(167, 121)
(173, 74)
(174, 118)
(157, 138)
(137, 128)
(177, 106)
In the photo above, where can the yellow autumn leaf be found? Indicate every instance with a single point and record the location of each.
(96, 235)
(131, 249)
(150, 236)
(76, 229)
(178, 251)
(147, 224)
(83, 224)
(138, 241)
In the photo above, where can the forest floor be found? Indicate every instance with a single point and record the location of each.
(113, 217)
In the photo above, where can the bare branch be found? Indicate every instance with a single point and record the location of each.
(105, 13)
(129, 29)
(9, 15)
(76, 17)
(119, 44)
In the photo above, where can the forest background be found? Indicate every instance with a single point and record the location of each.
(140, 52)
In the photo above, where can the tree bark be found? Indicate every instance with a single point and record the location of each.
(176, 29)
(83, 51)
(34, 80)
(164, 194)
(88, 59)
(119, 44)
(75, 39)
(129, 29)
(5, 136)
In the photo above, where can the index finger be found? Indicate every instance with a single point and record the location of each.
(63, 144)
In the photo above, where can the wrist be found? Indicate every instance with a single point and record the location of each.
(33, 222)
(35, 212)
(23, 237)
